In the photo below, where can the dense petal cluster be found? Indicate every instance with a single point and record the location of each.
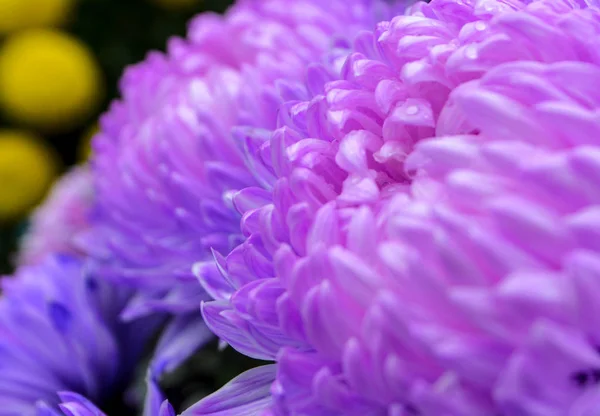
(398, 207)
(345, 142)
(457, 274)
(165, 163)
(59, 331)
(64, 214)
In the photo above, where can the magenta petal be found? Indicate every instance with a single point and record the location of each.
(221, 320)
(245, 395)
(211, 279)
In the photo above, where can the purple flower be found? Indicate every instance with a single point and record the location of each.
(425, 240)
(59, 331)
(165, 164)
(63, 215)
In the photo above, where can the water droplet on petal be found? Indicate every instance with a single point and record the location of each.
(412, 110)
(481, 26)
(471, 52)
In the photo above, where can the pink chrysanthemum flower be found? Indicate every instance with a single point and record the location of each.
(165, 163)
(453, 276)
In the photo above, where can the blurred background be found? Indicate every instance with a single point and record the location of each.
(60, 64)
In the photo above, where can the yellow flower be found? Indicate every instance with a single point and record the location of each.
(27, 169)
(20, 14)
(176, 4)
(48, 80)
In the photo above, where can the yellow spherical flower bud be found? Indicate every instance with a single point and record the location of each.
(27, 169)
(176, 4)
(48, 80)
(21, 14)
(49, 12)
